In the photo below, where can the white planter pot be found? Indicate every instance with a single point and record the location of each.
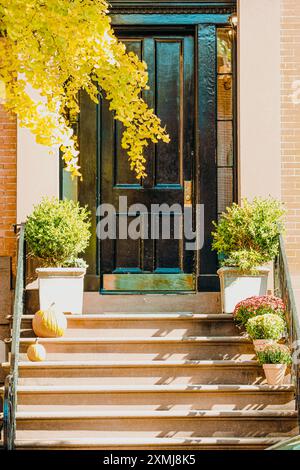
(236, 286)
(62, 286)
(274, 373)
(259, 344)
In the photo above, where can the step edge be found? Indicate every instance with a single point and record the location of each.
(148, 316)
(218, 440)
(139, 340)
(195, 414)
(137, 364)
(47, 389)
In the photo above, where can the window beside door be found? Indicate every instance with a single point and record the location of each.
(225, 119)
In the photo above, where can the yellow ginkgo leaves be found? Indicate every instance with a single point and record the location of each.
(60, 47)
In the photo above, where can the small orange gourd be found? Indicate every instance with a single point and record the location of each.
(36, 352)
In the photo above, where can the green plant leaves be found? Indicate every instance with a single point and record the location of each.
(267, 326)
(248, 235)
(57, 231)
(275, 354)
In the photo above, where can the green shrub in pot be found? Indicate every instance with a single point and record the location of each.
(275, 358)
(246, 237)
(265, 329)
(275, 354)
(267, 326)
(57, 232)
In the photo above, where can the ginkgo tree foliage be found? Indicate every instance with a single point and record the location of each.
(59, 47)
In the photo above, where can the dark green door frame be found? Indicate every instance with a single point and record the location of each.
(204, 17)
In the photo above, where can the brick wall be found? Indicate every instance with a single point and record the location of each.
(8, 210)
(8, 183)
(290, 126)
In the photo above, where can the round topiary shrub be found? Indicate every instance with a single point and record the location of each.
(258, 305)
(247, 236)
(266, 327)
(57, 231)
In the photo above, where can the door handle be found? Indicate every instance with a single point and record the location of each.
(188, 193)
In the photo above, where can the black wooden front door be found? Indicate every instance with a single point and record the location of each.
(190, 52)
(153, 261)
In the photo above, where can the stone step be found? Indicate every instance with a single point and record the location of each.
(148, 349)
(151, 424)
(31, 440)
(144, 325)
(93, 302)
(156, 397)
(139, 372)
(149, 371)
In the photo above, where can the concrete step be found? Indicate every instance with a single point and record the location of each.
(140, 372)
(93, 302)
(149, 372)
(155, 397)
(151, 424)
(120, 325)
(148, 349)
(28, 440)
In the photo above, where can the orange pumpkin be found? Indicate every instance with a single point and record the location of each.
(36, 352)
(49, 323)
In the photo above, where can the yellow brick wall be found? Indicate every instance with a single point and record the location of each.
(290, 126)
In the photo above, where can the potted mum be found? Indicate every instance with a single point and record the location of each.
(246, 238)
(56, 232)
(258, 305)
(265, 329)
(275, 358)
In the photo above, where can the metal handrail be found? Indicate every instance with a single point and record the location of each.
(10, 386)
(284, 289)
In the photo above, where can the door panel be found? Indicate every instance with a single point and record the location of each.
(207, 105)
(170, 59)
(122, 175)
(169, 76)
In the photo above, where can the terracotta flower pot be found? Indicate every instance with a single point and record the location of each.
(274, 373)
(259, 344)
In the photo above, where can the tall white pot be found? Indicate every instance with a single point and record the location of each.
(236, 286)
(62, 286)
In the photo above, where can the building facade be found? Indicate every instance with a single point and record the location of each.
(161, 371)
(251, 123)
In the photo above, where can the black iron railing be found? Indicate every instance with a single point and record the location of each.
(10, 386)
(284, 289)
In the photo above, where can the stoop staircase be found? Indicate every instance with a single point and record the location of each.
(149, 378)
